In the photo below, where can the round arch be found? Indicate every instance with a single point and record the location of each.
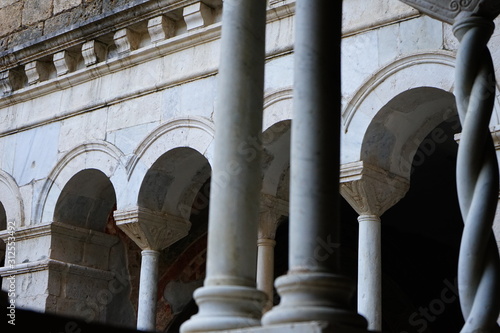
(11, 200)
(182, 139)
(404, 74)
(173, 182)
(101, 156)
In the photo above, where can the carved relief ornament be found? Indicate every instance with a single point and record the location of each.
(450, 11)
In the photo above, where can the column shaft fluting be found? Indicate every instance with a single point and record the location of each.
(229, 298)
(370, 271)
(148, 289)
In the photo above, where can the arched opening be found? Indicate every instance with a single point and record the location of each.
(84, 237)
(178, 184)
(86, 201)
(421, 239)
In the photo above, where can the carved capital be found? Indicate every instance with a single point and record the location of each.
(151, 230)
(371, 190)
(271, 210)
(452, 10)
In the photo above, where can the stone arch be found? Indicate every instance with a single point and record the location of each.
(173, 182)
(398, 129)
(276, 141)
(404, 74)
(86, 200)
(101, 156)
(278, 108)
(11, 200)
(178, 154)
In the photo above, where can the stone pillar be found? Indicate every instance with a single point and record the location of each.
(370, 191)
(272, 209)
(229, 298)
(477, 164)
(313, 289)
(152, 232)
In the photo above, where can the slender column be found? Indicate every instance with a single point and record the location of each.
(370, 191)
(370, 271)
(312, 289)
(148, 289)
(229, 298)
(265, 269)
(271, 211)
(151, 231)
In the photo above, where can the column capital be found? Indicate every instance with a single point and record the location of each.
(151, 230)
(271, 210)
(450, 11)
(371, 190)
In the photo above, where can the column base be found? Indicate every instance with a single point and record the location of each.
(314, 296)
(224, 308)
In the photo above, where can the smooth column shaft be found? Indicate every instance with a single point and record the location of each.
(315, 137)
(148, 288)
(229, 298)
(236, 183)
(265, 269)
(370, 271)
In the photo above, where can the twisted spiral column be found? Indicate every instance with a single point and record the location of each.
(477, 177)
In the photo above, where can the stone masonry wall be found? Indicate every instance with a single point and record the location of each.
(22, 21)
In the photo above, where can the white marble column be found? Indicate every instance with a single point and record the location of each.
(152, 232)
(148, 289)
(313, 289)
(370, 191)
(265, 269)
(271, 211)
(229, 298)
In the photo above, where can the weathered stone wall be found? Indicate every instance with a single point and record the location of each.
(22, 21)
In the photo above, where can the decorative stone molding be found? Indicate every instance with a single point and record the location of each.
(271, 210)
(93, 52)
(371, 190)
(11, 80)
(197, 15)
(160, 28)
(126, 40)
(37, 71)
(65, 62)
(151, 230)
(451, 10)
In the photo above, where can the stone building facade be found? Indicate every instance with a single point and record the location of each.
(107, 146)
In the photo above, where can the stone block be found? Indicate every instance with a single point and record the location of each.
(36, 153)
(35, 11)
(78, 129)
(10, 17)
(421, 34)
(62, 5)
(26, 35)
